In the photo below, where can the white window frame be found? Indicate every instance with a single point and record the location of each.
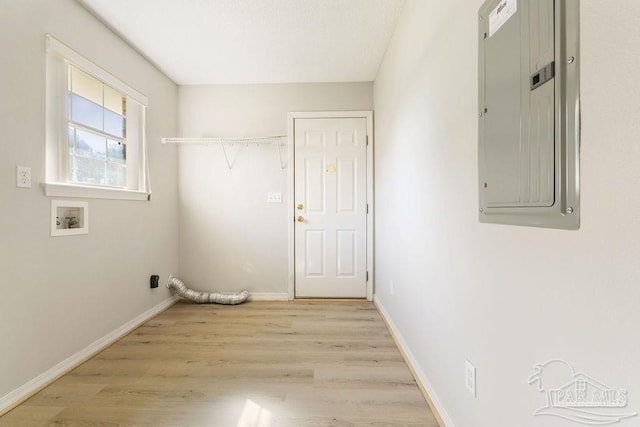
(59, 57)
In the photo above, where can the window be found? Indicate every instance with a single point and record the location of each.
(95, 130)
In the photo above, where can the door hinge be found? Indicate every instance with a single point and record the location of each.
(367, 207)
(367, 276)
(367, 139)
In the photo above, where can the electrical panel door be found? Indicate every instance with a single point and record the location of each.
(522, 93)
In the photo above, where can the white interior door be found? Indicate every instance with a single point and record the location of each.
(330, 195)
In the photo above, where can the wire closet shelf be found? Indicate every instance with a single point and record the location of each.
(256, 140)
(231, 146)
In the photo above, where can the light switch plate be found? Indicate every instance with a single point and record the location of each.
(274, 197)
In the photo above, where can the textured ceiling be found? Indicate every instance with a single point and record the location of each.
(256, 41)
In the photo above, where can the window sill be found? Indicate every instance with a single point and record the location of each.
(71, 190)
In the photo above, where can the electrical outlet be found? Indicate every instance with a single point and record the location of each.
(391, 290)
(153, 281)
(23, 177)
(470, 377)
(274, 197)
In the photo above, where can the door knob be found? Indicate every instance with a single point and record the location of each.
(300, 219)
(300, 206)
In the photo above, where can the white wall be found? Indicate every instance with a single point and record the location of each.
(230, 238)
(58, 295)
(505, 297)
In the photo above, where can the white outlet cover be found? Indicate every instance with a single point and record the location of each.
(470, 377)
(23, 177)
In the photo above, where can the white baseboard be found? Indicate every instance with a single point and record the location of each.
(268, 296)
(22, 393)
(421, 378)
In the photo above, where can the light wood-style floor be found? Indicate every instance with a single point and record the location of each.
(302, 363)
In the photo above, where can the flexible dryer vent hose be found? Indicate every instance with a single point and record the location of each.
(205, 297)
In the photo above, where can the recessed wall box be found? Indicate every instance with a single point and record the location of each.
(69, 217)
(529, 113)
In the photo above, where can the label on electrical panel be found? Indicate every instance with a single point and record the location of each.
(501, 14)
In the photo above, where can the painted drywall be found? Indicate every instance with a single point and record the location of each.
(230, 237)
(505, 297)
(60, 294)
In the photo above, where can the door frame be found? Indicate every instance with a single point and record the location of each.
(291, 119)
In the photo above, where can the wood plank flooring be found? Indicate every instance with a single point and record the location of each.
(302, 363)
